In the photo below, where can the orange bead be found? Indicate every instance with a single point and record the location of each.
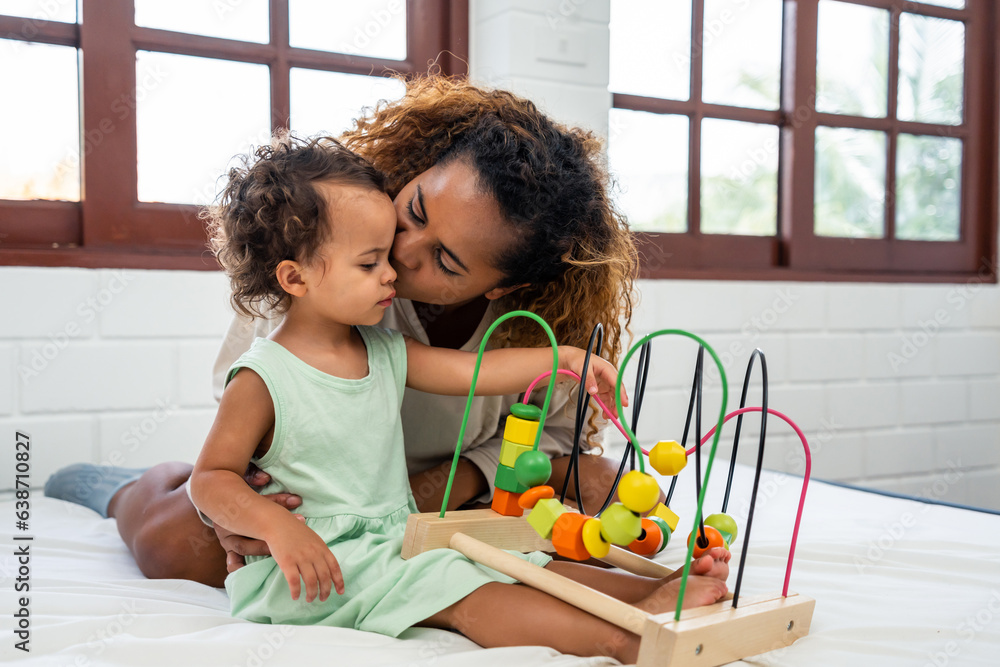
(567, 536)
(534, 494)
(714, 540)
(649, 540)
(505, 503)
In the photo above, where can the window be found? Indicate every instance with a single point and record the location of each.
(807, 139)
(121, 116)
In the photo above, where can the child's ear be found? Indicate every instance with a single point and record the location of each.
(289, 275)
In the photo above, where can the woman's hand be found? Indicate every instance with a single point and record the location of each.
(601, 375)
(239, 546)
(304, 557)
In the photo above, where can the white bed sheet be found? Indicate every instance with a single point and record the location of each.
(896, 582)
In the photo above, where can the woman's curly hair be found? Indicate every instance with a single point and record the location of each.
(576, 251)
(549, 180)
(270, 211)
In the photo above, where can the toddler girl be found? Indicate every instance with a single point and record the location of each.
(306, 228)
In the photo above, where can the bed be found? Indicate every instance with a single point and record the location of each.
(896, 582)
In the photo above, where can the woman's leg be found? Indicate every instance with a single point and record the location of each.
(162, 529)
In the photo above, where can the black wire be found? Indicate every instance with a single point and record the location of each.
(702, 539)
(582, 401)
(645, 354)
(760, 461)
(687, 426)
(739, 423)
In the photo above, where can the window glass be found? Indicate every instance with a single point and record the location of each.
(739, 178)
(931, 69)
(327, 103)
(651, 48)
(41, 146)
(371, 28)
(63, 11)
(928, 188)
(193, 115)
(850, 183)
(648, 156)
(852, 59)
(742, 53)
(245, 20)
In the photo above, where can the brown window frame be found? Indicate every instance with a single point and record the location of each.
(109, 227)
(796, 252)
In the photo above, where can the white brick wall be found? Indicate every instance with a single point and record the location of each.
(109, 366)
(895, 385)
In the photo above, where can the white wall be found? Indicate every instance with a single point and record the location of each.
(108, 366)
(114, 366)
(896, 386)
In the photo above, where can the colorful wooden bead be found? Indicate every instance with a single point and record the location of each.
(638, 491)
(650, 540)
(509, 451)
(595, 543)
(665, 530)
(666, 514)
(620, 525)
(713, 539)
(567, 536)
(534, 494)
(526, 411)
(544, 515)
(506, 503)
(725, 524)
(532, 468)
(668, 457)
(506, 479)
(520, 431)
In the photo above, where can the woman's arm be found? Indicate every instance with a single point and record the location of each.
(507, 371)
(246, 415)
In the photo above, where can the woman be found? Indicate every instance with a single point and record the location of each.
(498, 209)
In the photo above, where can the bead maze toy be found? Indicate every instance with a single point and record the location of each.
(624, 533)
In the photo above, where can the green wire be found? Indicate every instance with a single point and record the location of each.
(472, 392)
(711, 455)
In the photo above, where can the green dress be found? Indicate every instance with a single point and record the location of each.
(339, 445)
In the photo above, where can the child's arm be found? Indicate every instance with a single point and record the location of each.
(246, 415)
(507, 371)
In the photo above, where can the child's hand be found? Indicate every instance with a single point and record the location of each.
(601, 375)
(303, 555)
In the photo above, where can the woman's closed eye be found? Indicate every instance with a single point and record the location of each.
(437, 260)
(413, 214)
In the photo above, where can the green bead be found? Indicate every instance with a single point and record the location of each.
(506, 479)
(620, 525)
(532, 468)
(723, 523)
(526, 411)
(664, 528)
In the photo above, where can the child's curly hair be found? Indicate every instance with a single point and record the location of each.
(270, 211)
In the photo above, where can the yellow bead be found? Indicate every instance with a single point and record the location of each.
(509, 451)
(638, 491)
(667, 515)
(520, 431)
(620, 525)
(668, 457)
(544, 515)
(592, 539)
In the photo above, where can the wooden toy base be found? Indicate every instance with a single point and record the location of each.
(718, 634)
(704, 637)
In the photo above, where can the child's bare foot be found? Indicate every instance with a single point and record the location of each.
(700, 591)
(713, 563)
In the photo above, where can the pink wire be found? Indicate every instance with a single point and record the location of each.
(707, 436)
